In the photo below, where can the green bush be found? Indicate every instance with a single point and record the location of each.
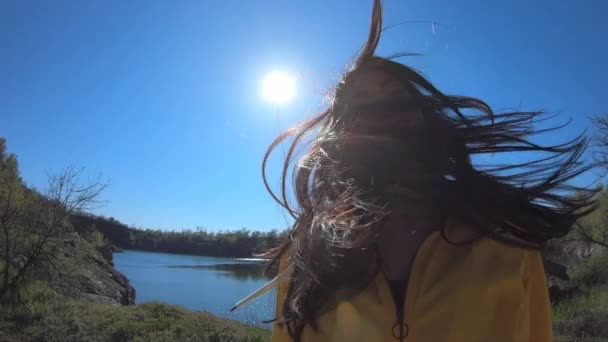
(37, 299)
(97, 238)
(592, 272)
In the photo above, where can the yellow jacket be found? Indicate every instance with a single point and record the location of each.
(484, 291)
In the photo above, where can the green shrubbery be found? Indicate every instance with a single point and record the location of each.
(592, 272)
(594, 299)
(584, 317)
(97, 238)
(45, 315)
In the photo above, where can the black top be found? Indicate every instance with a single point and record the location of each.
(408, 241)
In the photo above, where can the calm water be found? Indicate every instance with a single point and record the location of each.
(197, 283)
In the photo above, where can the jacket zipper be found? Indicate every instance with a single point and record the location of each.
(401, 330)
(398, 288)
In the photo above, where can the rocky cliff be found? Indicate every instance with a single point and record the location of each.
(560, 256)
(80, 270)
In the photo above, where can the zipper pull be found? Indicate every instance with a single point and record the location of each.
(400, 330)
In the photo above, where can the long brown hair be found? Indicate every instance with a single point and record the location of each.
(342, 193)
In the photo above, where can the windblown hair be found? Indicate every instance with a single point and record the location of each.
(343, 193)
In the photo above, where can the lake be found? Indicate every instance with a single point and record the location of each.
(198, 283)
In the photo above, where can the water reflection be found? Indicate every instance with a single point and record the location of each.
(238, 271)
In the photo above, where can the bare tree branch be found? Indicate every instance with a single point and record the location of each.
(600, 142)
(582, 234)
(34, 222)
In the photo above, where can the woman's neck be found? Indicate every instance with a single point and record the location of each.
(402, 233)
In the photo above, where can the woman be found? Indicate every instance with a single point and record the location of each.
(397, 236)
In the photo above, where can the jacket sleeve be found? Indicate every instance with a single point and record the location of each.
(280, 334)
(538, 325)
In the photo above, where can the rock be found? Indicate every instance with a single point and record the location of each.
(558, 280)
(116, 249)
(560, 289)
(557, 270)
(19, 261)
(86, 273)
(569, 253)
(128, 296)
(106, 253)
(101, 299)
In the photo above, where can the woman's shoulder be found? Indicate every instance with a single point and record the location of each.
(460, 243)
(458, 233)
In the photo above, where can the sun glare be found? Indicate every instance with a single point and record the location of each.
(278, 87)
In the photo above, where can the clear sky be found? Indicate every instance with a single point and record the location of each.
(164, 99)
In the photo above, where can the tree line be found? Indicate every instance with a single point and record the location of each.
(241, 243)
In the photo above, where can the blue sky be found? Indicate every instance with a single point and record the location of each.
(163, 98)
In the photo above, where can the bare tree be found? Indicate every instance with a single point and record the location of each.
(593, 229)
(601, 141)
(30, 220)
(584, 233)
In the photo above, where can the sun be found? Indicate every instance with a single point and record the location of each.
(278, 87)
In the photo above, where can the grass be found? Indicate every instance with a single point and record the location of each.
(45, 315)
(48, 316)
(593, 299)
(583, 317)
